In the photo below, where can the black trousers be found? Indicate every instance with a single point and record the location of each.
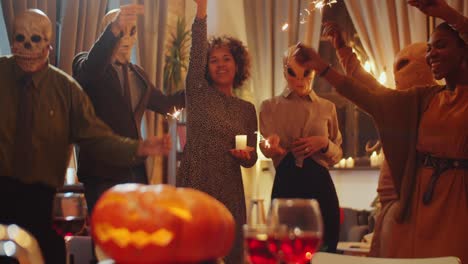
(312, 181)
(95, 185)
(30, 207)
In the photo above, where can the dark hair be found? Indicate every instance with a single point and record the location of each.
(238, 51)
(446, 27)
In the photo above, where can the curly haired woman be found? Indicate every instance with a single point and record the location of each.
(214, 117)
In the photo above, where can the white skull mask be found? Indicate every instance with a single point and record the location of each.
(31, 40)
(299, 78)
(410, 67)
(128, 38)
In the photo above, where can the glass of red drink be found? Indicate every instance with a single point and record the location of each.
(261, 243)
(303, 220)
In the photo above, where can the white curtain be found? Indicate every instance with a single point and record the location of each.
(80, 28)
(150, 56)
(384, 28)
(267, 41)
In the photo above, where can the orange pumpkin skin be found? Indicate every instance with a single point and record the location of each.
(135, 223)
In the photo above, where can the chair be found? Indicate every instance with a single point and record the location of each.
(18, 244)
(80, 250)
(355, 224)
(328, 258)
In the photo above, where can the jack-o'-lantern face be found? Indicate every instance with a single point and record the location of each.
(135, 223)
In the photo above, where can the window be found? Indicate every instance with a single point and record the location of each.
(4, 41)
(357, 128)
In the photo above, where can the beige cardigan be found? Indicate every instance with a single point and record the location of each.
(396, 115)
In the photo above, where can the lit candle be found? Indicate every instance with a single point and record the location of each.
(342, 163)
(241, 141)
(349, 162)
(373, 159)
(70, 176)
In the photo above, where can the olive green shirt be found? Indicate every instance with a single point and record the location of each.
(62, 116)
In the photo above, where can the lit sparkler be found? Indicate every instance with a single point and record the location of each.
(176, 114)
(267, 144)
(320, 4)
(304, 16)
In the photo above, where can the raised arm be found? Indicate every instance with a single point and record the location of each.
(440, 9)
(374, 99)
(195, 81)
(160, 102)
(92, 65)
(348, 59)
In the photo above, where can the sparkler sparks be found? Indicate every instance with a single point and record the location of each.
(176, 114)
(267, 144)
(320, 4)
(304, 15)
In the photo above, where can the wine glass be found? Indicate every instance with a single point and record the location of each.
(69, 214)
(303, 220)
(260, 242)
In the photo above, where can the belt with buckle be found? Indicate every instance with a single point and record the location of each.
(440, 165)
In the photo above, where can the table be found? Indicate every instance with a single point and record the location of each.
(354, 248)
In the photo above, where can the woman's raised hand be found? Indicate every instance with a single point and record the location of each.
(309, 58)
(435, 8)
(201, 8)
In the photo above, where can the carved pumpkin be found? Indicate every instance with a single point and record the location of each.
(135, 223)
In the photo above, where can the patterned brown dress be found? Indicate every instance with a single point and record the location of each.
(213, 121)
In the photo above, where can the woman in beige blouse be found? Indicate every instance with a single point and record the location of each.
(303, 141)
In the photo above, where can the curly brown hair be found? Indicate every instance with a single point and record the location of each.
(238, 51)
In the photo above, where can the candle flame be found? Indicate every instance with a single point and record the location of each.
(176, 114)
(267, 144)
(285, 26)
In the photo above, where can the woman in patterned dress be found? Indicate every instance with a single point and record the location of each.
(214, 117)
(424, 131)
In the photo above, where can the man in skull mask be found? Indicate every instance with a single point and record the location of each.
(303, 141)
(120, 92)
(42, 112)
